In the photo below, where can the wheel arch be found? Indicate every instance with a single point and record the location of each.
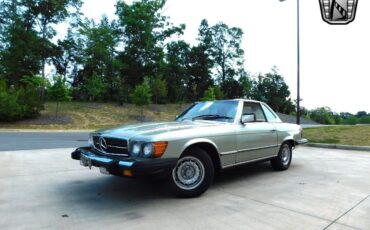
(208, 146)
(291, 142)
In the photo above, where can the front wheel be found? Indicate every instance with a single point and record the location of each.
(284, 158)
(193, 173)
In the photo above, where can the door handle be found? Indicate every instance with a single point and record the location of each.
(273, 130)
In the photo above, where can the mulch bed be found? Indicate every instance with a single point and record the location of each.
(47, 120)
(140, 118)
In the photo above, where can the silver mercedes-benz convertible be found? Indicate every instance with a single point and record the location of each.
(206, 138)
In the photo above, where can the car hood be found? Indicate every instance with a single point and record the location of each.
(155, 128)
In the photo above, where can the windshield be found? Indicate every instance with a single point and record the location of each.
(224, 111)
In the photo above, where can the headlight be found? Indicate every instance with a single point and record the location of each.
(148, 150)
(136, 149)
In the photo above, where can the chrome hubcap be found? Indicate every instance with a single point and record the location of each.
(188, 173)
(285, 155)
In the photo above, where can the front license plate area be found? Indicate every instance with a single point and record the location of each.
(104, 171)
(85, 161)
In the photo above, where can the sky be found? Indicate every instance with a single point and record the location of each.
(334, 61)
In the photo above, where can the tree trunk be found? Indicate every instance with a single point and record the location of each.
(142, 113)
(43, 68)
(43, 51)
(56, 110)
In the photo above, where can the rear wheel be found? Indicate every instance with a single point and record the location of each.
(284, 158)
(193, 173)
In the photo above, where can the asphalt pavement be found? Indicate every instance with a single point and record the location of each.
(323, 189)
(19, 140)
(41, 140)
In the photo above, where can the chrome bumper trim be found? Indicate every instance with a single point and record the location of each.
(126, 163)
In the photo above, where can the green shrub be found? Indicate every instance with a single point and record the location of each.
(95, 88)
(29, 100)
(323, 115)
(218, 92)
(351, 120)
(10, 110)
(364, 120)
(209, 95)
(142, 95)
(19, 103)
(159, 89)
(58, 92)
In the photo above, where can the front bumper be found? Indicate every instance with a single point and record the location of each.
(117, 165)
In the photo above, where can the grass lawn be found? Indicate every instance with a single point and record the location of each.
(91, 116)
(345, 135)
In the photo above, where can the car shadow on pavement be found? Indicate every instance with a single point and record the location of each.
(242, 173)
(109, 194)
(107, 191)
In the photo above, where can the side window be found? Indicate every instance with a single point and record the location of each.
(254, 108)
(271, 116)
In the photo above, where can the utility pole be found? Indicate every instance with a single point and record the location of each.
(298, 66)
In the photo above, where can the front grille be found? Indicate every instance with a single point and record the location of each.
(114, 146)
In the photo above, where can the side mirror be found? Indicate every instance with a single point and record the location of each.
(177, 116)
(248, 117)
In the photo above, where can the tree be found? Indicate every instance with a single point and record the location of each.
(322, 115)
(43, 14)
(209, 95)
(272, 89)
(94, 87)
(68, 54)
(39, 85)
(58, 92)
(176, 70)
(97, 55)
(26, 33)
(199, 65)
(361, 114)
(145, 31)
(364, 120)
(142, 96)
(218, 93)
(240, 88)
(205, 36)
(22, 102)
(20, 54)
(159, 88)
(246, 85)
(351, 120)
(10, 110)
(227, 54)
(199, 74)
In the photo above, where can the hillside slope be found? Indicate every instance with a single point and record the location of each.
(80, 115)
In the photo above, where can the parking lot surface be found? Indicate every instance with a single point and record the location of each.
(323, 189)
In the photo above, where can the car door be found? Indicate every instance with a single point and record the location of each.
(257, 139)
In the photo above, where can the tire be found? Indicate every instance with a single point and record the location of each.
(193, 173)
(284, 158)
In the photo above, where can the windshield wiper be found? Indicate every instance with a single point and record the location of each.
(210, 117)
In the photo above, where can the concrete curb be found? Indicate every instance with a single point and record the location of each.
(334, 146)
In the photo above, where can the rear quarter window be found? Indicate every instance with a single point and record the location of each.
(270, 115)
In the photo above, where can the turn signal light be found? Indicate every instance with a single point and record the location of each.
(127, 172)
(159, 148)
